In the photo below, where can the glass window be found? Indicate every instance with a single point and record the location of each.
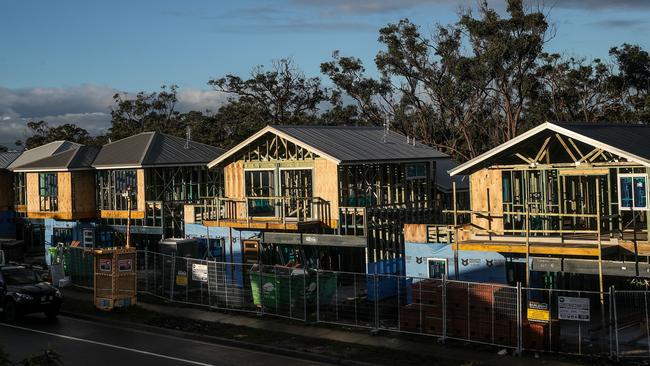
(260, 183)
(20, 189)
(437, 268)
(416, 171)
(633, 192)
(48, 191)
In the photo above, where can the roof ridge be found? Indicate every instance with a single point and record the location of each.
(327, 126)
(191, 141)
(147, 148)
(128, 137)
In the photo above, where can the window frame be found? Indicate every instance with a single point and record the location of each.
(435, 259)
(632, 176)
(48, 191)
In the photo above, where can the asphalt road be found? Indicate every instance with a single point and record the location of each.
(83, 342)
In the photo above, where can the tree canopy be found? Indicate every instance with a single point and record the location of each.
(462, 88)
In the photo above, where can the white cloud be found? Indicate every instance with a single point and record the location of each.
(87, 106)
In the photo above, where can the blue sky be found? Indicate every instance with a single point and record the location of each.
(62, 60)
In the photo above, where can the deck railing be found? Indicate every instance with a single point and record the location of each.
(276, 208)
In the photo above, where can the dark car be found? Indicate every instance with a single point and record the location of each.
(23, 291)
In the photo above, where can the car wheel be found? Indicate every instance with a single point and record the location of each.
(52, 312)
(10, 313)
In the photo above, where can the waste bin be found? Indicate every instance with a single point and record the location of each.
(277, 286)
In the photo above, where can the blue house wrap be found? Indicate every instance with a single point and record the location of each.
(77, 229)
(473, 266)
(233, 245)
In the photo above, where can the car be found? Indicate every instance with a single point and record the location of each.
(23, 291)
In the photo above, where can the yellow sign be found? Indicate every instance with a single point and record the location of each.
(537, 315)
(538, 312)
(181, 278)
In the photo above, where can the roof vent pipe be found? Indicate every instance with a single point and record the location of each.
(385, 135)
(188, 136)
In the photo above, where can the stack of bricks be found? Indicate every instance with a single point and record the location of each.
(470, 312)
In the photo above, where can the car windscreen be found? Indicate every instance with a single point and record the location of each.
(19, 276)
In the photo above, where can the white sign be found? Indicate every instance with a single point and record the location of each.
(199, 272)
(573, 308)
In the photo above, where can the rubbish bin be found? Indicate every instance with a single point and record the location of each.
(277, 286)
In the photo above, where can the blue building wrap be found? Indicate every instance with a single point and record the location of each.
(233, 246)
(77, 228)
(473, 266)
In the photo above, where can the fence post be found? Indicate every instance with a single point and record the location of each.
(376, 301)
(173, 277)
(615, 320)
(304, 296)
(317, 295)
(611, 316)
(187, 284)
(519, 320)
(647, 326)
(146, 269)
(399, 303)
(444, 306)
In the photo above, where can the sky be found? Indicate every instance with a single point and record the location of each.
(61, 61)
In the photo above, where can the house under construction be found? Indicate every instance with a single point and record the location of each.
(328, 197)
(561, 206)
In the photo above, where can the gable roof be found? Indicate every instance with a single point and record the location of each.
(344, 144)
(152, 149)
(444, 181)
(56, 156)
(6, 158)
(627, 141)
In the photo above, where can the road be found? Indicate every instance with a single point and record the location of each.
(83, 342)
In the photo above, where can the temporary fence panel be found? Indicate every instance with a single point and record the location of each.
(565, 321)
(613, 324)
(631, 324)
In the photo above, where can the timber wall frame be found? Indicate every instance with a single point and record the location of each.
(597, 226)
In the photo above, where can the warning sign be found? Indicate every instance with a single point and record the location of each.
(105, 265)
(538, 312)
(181, 278)
(573, 308)
(199, 272)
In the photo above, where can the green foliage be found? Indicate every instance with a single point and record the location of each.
(43, 134)
(281, 95)
(463, 88)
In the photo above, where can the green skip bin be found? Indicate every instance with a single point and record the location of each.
(285, 286)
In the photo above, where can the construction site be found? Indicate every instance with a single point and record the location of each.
(539, 244)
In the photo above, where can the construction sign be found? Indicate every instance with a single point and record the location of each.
(538, 312)
(573, 308)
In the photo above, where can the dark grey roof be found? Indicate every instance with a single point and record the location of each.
(154, 149)
(352, 144)
(634, 139)
(445, 181)
(6, 158)
(41, 152)
(76, 157)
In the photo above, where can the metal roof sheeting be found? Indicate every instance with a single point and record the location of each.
(75, 157)
(634, 139)
(353, 144)
(150, 149)
(344, 144)
(627, 141)
(41, 152)
(6, 158)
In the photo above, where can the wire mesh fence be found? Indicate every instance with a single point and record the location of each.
(612, 324)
